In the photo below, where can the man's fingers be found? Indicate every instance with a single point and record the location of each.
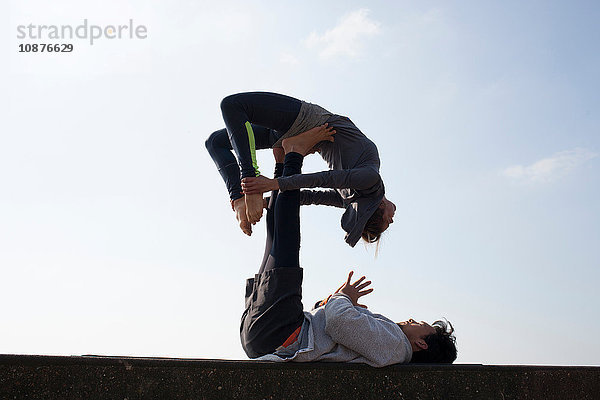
(362, 305)
(358, 281)
(364, 293)
(349, 277)
(364, 285)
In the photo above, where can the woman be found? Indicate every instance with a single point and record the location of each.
(259, 120)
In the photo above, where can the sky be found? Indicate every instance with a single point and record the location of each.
(116, 232)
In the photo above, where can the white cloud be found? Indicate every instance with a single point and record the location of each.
(550, 168)
(287, 58)
(346, 38)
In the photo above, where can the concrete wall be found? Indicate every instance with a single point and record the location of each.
(49, 378)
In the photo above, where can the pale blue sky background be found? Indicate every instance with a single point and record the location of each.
(116, 234)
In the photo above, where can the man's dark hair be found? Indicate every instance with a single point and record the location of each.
(441, 346)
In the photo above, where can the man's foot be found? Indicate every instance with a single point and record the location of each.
(279, 154)
(239, 206)
(306, 141)
(316, 149)
(254, 207)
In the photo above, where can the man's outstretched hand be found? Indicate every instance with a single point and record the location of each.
(355, 290)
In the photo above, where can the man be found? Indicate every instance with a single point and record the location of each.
(274, 326)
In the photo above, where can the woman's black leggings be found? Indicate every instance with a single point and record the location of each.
(254, 120)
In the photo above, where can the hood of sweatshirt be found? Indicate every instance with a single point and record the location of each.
(359, 211)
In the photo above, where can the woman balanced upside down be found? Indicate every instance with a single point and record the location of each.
(260, 120)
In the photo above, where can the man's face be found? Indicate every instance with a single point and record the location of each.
(416, 332)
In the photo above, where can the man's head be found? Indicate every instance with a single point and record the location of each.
(430, 343)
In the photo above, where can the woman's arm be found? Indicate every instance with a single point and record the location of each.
(356, 178)
(321, 197)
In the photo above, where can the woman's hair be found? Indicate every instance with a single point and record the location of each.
(372, 231)
(441, 345)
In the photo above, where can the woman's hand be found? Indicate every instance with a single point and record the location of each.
(355, 290)
(259, 185)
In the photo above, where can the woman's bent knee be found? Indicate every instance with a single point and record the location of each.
(229, 102)
(214, 140)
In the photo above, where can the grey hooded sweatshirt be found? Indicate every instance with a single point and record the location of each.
(354, 177)
(341, 332)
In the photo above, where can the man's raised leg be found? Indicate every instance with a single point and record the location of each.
(274, 309)
(286, 239)
(270, 218)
